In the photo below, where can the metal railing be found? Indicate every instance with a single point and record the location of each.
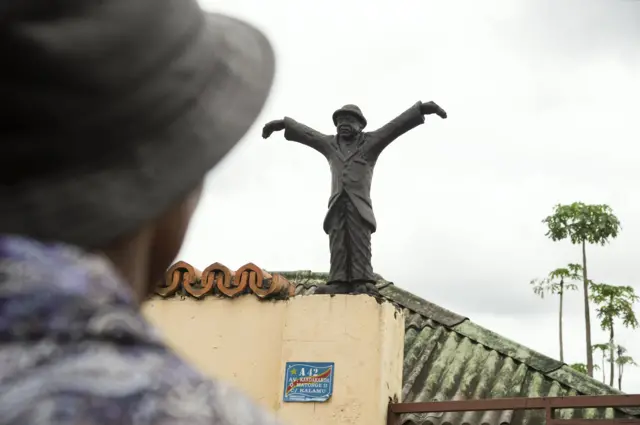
(548, 404)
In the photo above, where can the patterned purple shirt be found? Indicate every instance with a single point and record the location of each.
(75, 350)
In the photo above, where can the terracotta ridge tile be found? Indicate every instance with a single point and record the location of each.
(181, 274)
(218, 280)
(229, 285)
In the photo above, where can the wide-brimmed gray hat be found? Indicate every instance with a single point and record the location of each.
(112, 110)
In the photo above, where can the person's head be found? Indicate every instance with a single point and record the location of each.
(349, 121)
(143, 255)
(112, 114)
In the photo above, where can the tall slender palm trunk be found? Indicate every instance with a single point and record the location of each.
(560, 321)
(612, 354)
(587, 315)
(620, 369)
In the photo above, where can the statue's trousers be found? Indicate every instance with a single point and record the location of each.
(349, 243)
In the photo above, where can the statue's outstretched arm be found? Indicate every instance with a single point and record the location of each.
(300, 133)
(408, 120)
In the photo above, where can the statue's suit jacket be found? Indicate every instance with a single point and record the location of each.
(353, 173)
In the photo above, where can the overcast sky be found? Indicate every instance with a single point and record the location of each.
(542, 97)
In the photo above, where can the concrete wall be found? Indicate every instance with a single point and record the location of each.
(248, 341)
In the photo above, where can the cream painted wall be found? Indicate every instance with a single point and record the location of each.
(248, 341)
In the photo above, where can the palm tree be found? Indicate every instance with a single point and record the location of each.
(583, 224)
(604, 347)
(623, 360)
(614, 302)
(556, 283)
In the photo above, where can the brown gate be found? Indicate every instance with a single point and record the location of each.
(548, 404)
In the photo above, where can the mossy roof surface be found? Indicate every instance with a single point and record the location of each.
(448, 357)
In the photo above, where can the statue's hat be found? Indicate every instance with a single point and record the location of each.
(352, 110)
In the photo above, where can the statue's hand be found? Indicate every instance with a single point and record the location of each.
(272, 126)
(428, 108)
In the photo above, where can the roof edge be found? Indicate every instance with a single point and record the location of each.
(304, 277)
(387, 289)
(420, 305)
(552, 368)
(587, 385)
(507, 347)
(581, 382)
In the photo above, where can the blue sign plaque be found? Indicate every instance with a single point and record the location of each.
(308, 382)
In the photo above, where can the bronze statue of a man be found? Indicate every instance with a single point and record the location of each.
(352, 155)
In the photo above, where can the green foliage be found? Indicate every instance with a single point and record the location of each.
(556, 281)
(622, 359)
(594, 224)
(626, 360)
(580, 367)
(604, 348)
(614, 302)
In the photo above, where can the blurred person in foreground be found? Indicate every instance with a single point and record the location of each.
(112, 112)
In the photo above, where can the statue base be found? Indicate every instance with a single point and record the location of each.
(252, 341)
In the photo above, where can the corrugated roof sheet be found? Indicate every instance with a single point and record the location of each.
(448, 357)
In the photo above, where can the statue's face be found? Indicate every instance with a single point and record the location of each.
(348, 125)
